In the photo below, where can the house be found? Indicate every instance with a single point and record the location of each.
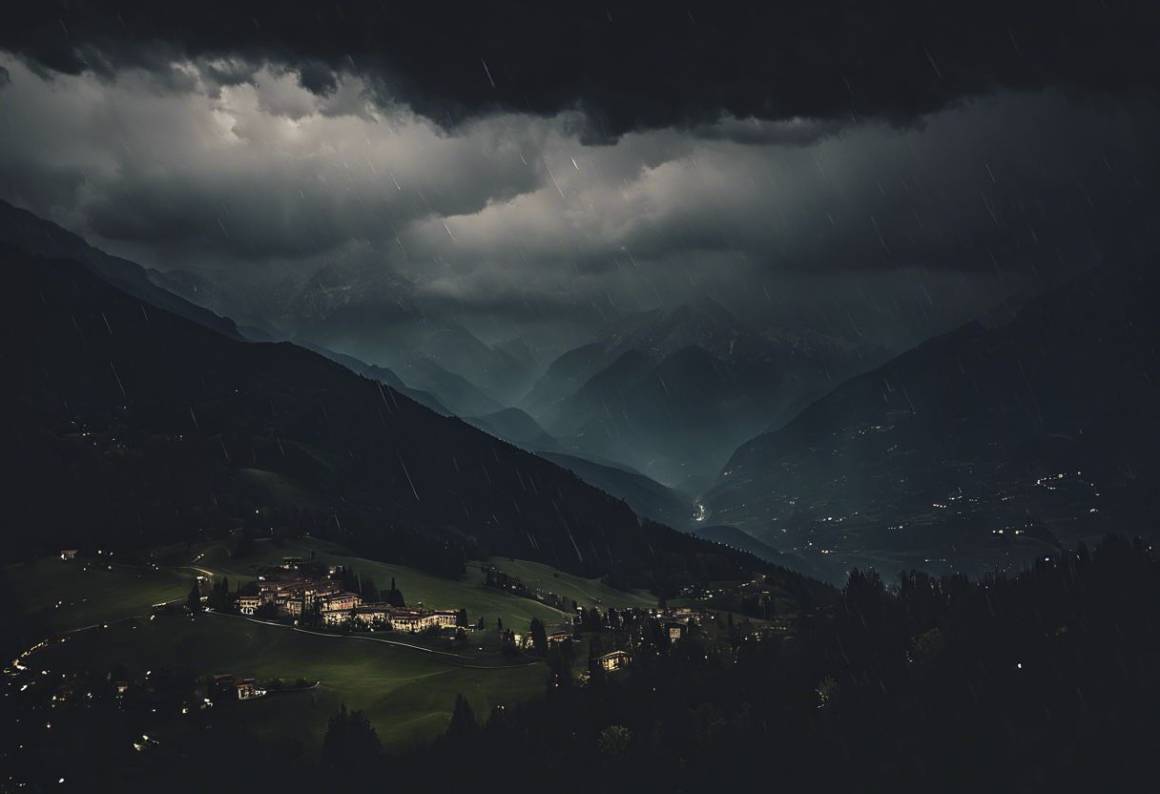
(340, 602)
(445, 618)
(68, 554)
(372, 614)
(336, 609)
(407, 620)
(317, 591)
(248, 690)
(286, 596)
(675, 631)
(615, 660)
(249, 604)
(556, 637)
(413, 620)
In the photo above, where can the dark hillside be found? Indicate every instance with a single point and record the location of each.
(128, 424)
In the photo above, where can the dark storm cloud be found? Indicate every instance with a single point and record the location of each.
(252, 179)
(248, 170)
(226, 71)
(788, 132)
(317, 78)
(628, 68)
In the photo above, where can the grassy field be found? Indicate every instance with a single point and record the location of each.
(273, 488)
(59, 595)
(586, 592)
(407, 694)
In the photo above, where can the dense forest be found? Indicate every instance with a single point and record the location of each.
(1041, 681)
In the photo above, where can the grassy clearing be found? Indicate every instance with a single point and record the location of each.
(276, 489)
(407, 694)
(586, 592)
(58, 595)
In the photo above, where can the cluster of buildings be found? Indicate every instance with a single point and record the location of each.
(615, 660)
(295, 595)
(226, 685)
(397, 618)
(555, 637)
(674, 622)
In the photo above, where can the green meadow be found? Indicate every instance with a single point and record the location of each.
(58, 595)
(407, 694)
(586, 592)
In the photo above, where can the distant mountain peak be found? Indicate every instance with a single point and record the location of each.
(339, 286)
(701, 322)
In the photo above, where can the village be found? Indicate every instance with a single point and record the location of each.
(310, 593)
(329, 597)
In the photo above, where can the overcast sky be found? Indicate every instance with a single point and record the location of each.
(520, 167)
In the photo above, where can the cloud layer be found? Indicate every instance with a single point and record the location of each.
(257, 173)
(644, 67)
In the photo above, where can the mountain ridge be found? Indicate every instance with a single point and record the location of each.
(145, 418)
(940, 457)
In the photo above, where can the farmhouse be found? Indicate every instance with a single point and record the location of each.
(615, 660)
(249, 604)
(248, 690)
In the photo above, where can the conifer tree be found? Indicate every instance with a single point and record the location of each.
(462, 718)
